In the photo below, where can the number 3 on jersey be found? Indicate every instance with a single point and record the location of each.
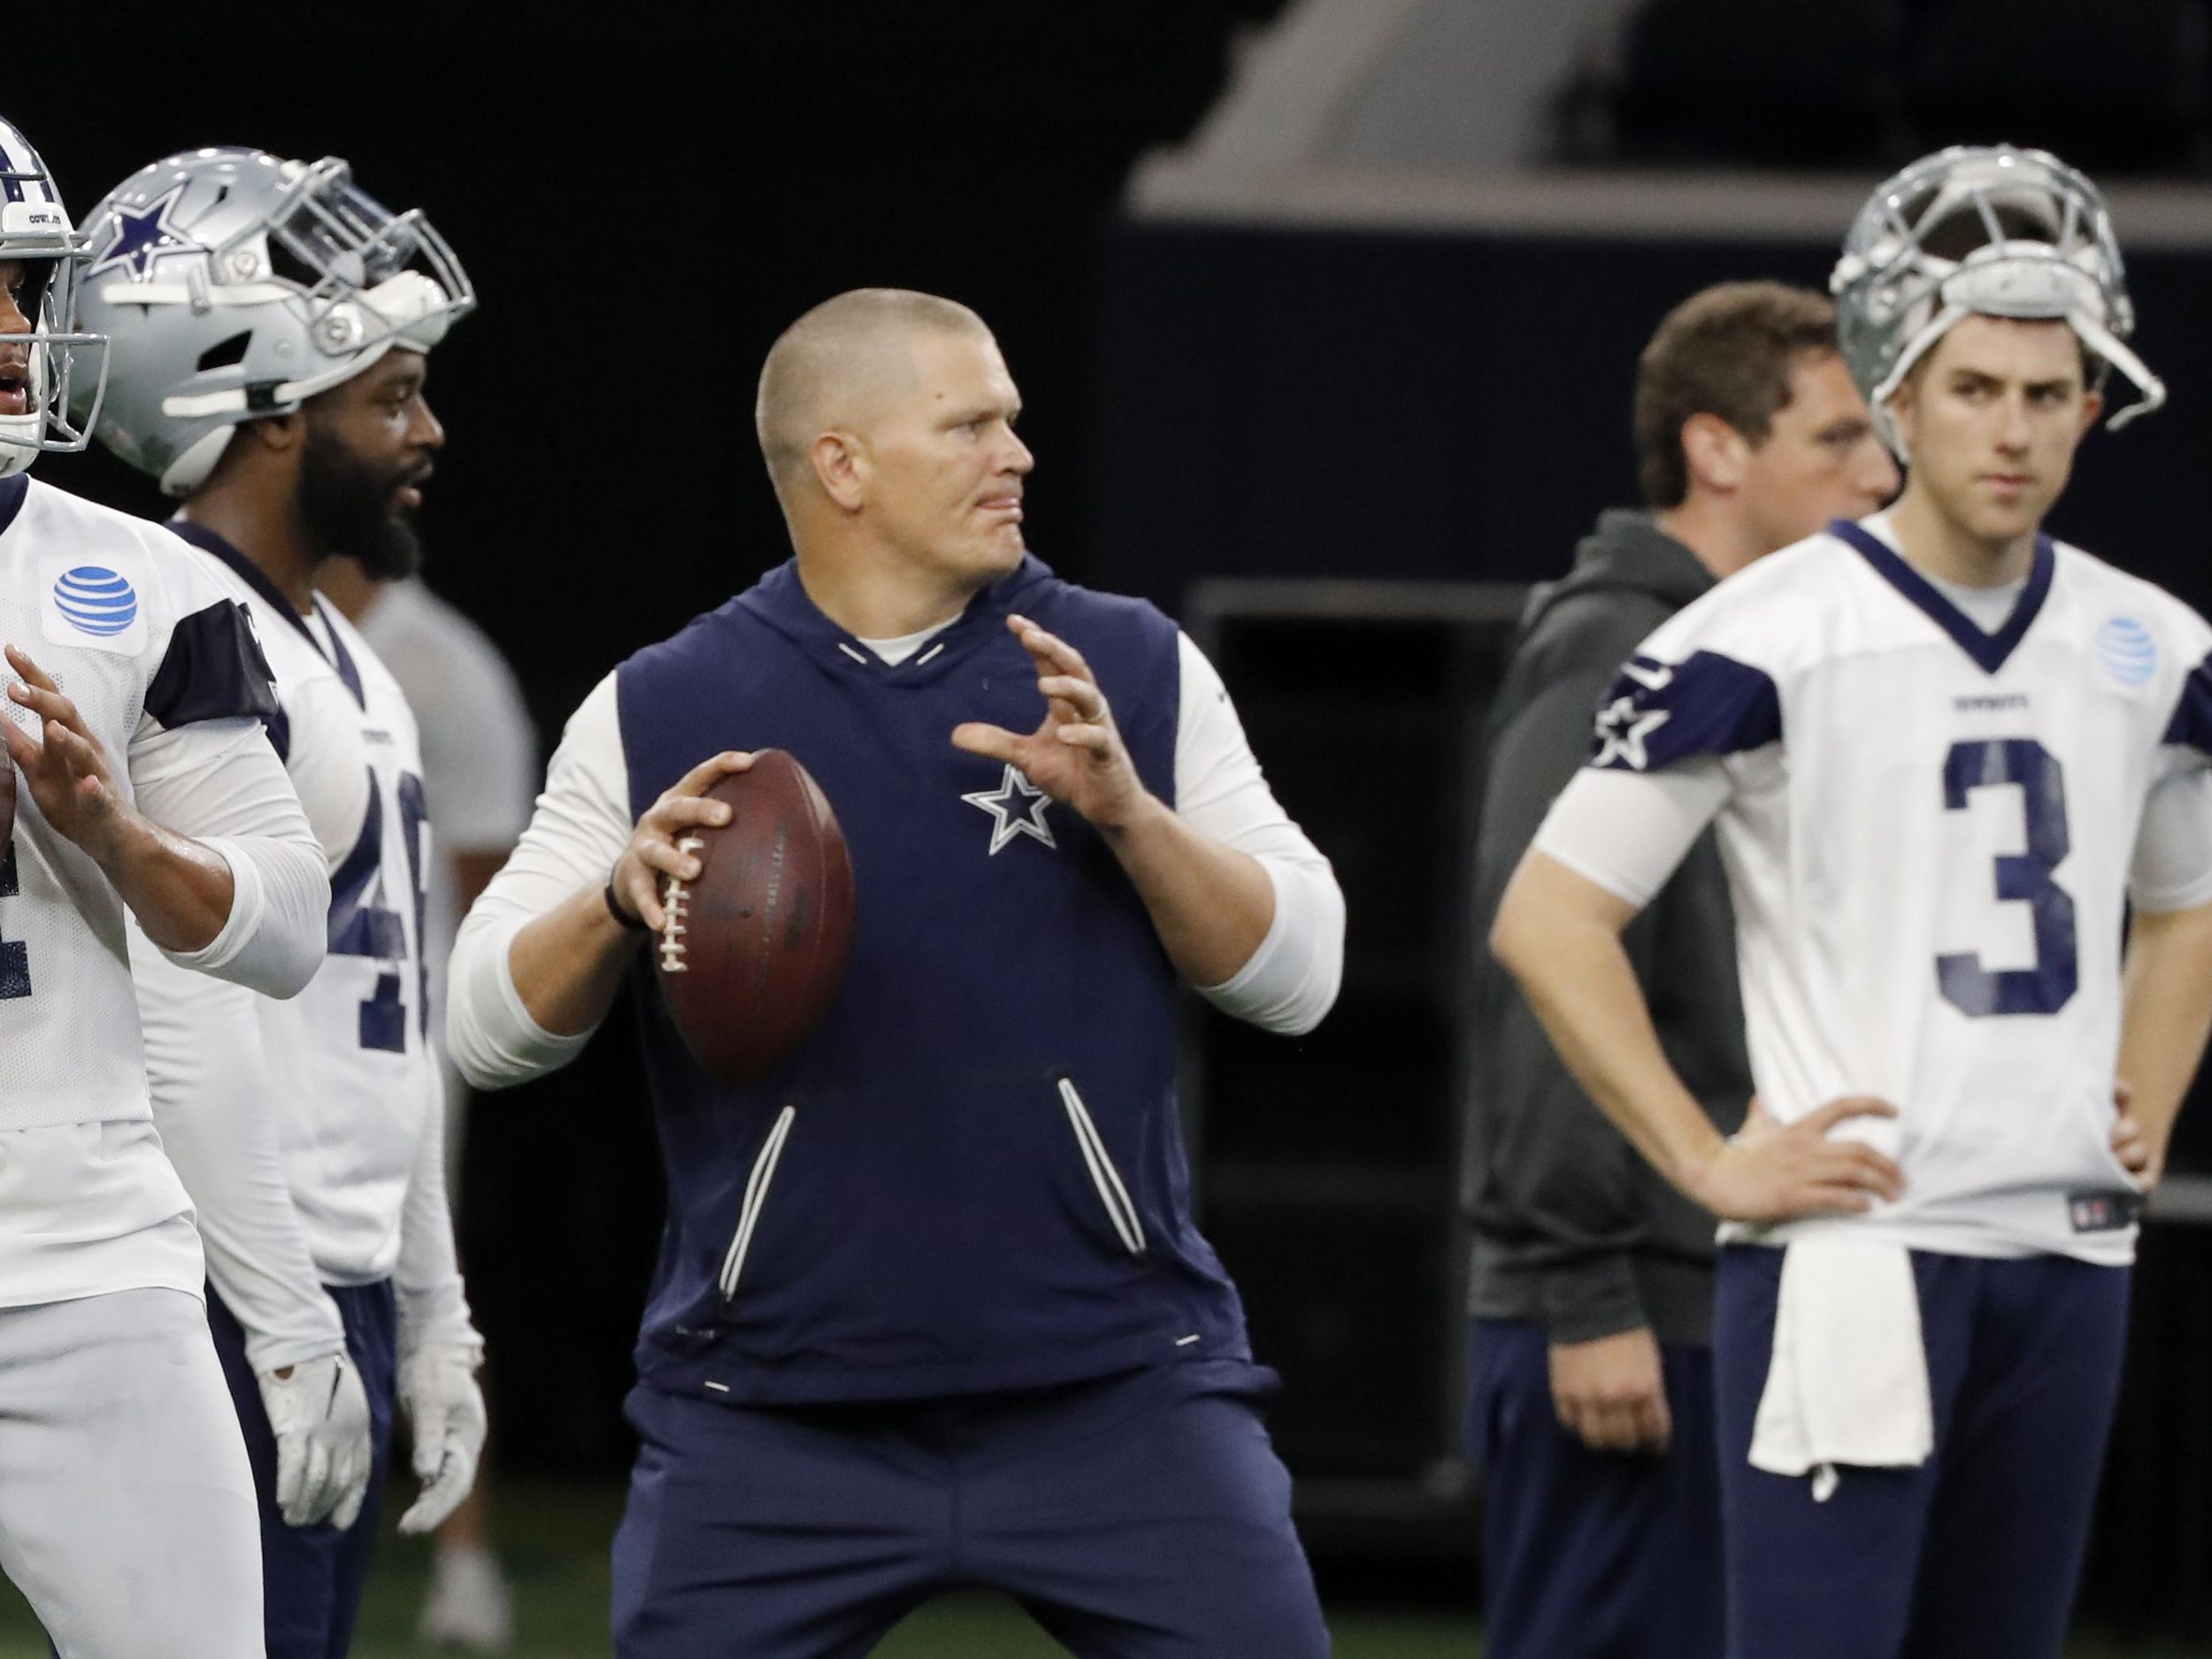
(2025, 878)
(362, 926)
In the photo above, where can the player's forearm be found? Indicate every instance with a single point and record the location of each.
(492, 1033)
(180, 891)
(2166, 1013)
(1211, 905)
(1559, 936)
(567, 963)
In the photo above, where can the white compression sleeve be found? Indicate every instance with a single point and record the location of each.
(1291, 980)
(220, 782)
(211, 1083)
(1629, 831)
(2172, 869)
(434, 1310)
(578, 830)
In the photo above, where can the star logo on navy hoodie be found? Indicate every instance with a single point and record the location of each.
(1017, 808)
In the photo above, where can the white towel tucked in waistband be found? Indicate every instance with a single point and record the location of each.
(1848, 1382)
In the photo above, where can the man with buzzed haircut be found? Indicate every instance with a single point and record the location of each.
(930, 1310)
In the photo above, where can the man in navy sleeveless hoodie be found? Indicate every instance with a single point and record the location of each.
(930, 1310)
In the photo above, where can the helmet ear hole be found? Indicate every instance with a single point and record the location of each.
(225, 353)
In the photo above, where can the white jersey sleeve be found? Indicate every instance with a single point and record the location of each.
(1630, 831)
(1291, 980)
(579, 829)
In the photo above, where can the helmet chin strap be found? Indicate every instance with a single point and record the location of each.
(21, 438)
(2089, 330)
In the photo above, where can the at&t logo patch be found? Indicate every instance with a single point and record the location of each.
(92, 603)
(2125, 647)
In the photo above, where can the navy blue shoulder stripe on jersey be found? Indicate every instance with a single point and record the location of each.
(1659, 713)
(213, 671)
(2192, 724)
(12, 490)
(1989, 650)
(276, 722)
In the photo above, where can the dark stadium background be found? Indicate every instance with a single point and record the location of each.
(645, 197)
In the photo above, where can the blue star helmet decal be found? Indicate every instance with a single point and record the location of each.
(1017, 808)
(1657, 713)
(139, 235)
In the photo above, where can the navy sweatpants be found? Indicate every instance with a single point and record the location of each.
(311, 1577)
(1143, 1517)
(1978, 1550)
(1592, 1555)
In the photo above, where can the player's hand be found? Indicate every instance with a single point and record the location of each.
(63, 767)
(320, 1414)
(437, 1388)
(2139, 1152)
(1611, 1393)
(655, 854)
(1077, 754)
(1775, 1172)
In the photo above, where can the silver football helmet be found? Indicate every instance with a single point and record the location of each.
(1968, 231)
(54, 368)
(235, 285)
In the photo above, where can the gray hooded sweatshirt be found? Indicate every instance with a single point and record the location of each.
(1572, 1228)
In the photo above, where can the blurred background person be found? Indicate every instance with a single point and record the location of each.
(1591, 1287)
(479, 775)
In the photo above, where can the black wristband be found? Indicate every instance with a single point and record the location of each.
(623, 919)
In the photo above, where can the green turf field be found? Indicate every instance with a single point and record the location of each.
(555, 1539)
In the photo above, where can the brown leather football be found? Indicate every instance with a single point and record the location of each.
(753, 951)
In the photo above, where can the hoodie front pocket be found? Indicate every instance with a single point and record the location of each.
(756, 1186)
(1114, 1196)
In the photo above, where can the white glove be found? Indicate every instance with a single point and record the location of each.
(321, 1414)
(437, 1385)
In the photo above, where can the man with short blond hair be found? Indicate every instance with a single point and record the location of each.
(1591, 1280)
(932, 1310)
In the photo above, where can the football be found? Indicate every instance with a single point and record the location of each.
(753, 951)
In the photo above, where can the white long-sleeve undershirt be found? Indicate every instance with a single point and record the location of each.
(583, 822)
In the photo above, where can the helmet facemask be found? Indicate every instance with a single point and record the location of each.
(1996, 233)
(64, 371)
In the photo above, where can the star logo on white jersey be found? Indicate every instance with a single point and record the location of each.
(1017, 808)
(1622, 729)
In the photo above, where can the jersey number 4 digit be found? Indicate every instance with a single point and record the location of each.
(15, 956)
(361, 926)
(2024, 878)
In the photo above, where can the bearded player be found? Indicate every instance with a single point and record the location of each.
(1944, 754)
(270, 326)
(138, 783)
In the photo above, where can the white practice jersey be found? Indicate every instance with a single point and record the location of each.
(146, 643)
(1932, 833)
(161, 663)
(350, 1082)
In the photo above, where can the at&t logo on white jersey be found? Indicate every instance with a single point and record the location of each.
(93, 604)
